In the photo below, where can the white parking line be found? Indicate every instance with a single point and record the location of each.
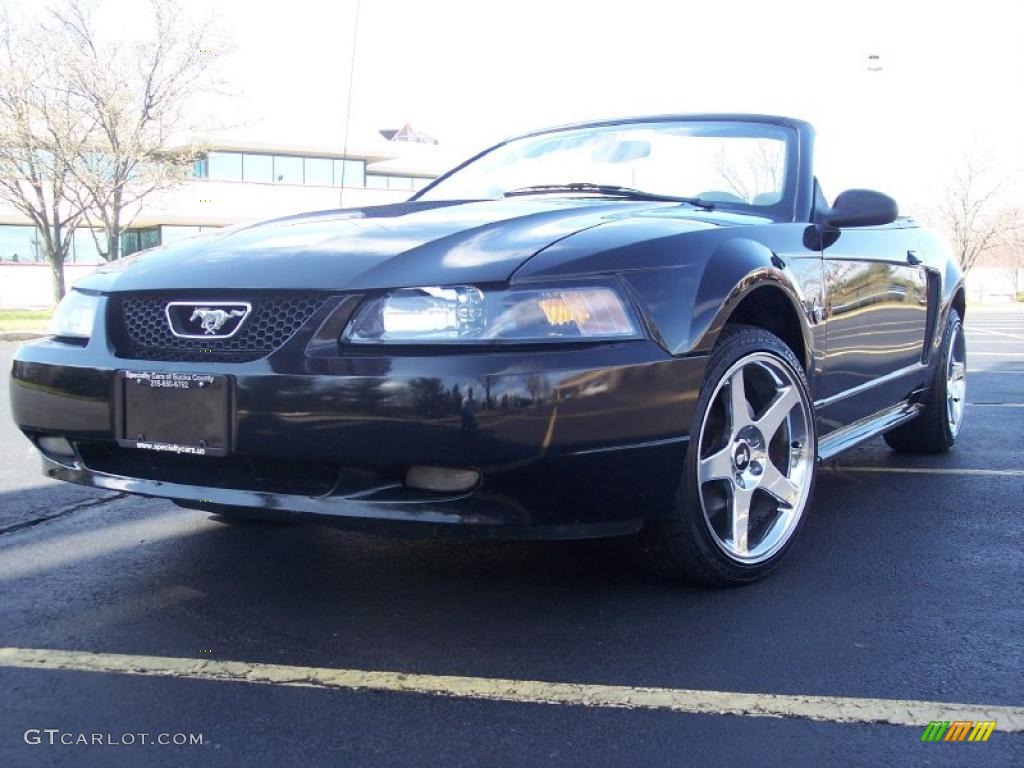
(928, 471)
(836, 709)
(996, 330)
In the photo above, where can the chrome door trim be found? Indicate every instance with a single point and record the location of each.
(906, 371)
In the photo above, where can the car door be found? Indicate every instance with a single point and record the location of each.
(876, 320)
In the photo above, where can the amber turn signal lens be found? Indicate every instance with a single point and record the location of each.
(558, 312)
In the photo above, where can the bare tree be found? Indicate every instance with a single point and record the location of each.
(137, 93)
(972, 212)
(41, 129)
(1017, 258)
(91, 125)
(1010, 255)
(759, 172)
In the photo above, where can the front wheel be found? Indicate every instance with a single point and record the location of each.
(750, 467)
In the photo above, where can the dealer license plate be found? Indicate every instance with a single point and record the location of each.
(181, 413)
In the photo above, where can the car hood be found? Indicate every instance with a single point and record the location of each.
(392, 246)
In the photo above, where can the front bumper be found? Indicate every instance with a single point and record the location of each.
(569, 442)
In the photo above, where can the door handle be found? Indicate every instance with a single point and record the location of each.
(913, 258)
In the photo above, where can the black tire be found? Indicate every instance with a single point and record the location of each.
(931, 431)
(683, 546)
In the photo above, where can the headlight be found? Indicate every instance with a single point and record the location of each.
(466, 314)
(75, 315)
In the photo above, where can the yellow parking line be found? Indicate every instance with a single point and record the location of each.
(929, 471)
(839, 709)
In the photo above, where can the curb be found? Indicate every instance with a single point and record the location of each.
(21, 335)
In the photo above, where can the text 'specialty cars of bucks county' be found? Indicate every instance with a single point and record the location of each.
(652, 326)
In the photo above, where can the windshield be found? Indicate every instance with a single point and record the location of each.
(731, 163)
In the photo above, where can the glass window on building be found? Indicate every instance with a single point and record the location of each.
(83, 246)
(20, 244)
(170, 234)
(258, 168)
(224, 166)
(319, 171)
(349, 173)
(419, 183)
(133, 240)
(201, 168)
(403, 183)
(287, 169)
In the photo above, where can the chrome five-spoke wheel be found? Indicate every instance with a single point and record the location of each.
(956, 381)
(750, 465)
(756, 458)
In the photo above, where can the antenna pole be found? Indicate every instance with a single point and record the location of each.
(348, 106)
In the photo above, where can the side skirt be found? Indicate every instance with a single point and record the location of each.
(858, 432)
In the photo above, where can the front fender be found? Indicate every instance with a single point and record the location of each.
(687, 276)
(734, 270)
(689, 306)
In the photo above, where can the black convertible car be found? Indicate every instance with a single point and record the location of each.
(652, 326)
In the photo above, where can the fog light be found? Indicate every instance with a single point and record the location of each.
(441, 479)
(57, 448)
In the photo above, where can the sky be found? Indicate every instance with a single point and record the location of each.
(471, 73)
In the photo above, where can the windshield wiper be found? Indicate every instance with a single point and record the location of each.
(610, 190)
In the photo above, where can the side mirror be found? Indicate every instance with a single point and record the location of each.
(859, 208)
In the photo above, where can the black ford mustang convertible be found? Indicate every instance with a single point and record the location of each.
(653, 327)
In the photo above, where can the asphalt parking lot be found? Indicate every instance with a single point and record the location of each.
(118, 616)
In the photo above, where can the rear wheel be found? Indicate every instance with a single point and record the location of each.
(750, 469)
(936, 428)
